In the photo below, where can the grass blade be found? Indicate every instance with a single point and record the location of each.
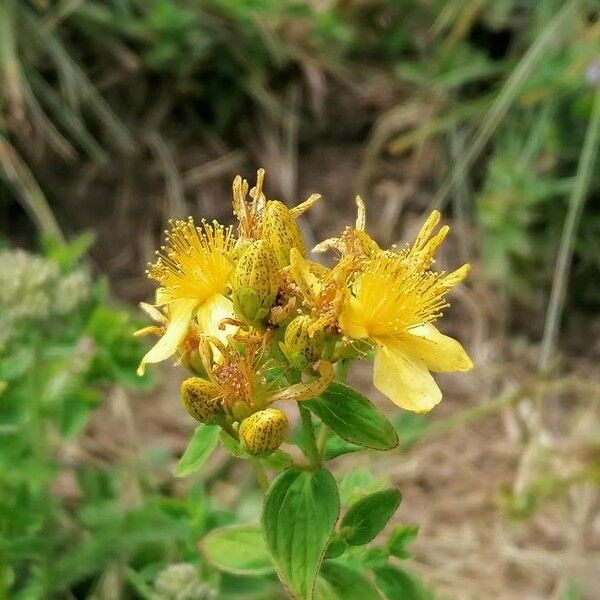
(505, 99)
(20, 178)
(569, 234)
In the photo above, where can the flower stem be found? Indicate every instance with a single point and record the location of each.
(261, 474)
(311, 452)
(341, 370)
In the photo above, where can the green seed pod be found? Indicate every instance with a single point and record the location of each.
(299, 347)
(255, 282)
(264, 431)
(280, 230)
(201, 400)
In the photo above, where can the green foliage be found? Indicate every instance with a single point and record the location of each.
(354, 418)
(53, 367)
(400, 538)
(344, 582)
(509, 90)
(397, 584)
(203, 442)
(63, 347)
(367, 517)
(299, 515)
(238, 549)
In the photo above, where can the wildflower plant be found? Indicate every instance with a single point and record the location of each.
(264, 332)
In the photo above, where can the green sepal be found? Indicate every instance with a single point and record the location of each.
(203, 442)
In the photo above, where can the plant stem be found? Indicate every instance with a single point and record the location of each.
(227, 427)
(322, 440)
(311, 452)
(341, 370)
(569, 234)
(261, 474)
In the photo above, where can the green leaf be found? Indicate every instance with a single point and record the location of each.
(299, 516)
(374, 557)
(400, 538)
(365, 519)
(347, 583)
(397, 584)
(239, 549)
(233, 446)
(336, 446)
(336, 548)
(354, 418)
(203, 442)
(277, 460)
(356, 484)
(17, 364)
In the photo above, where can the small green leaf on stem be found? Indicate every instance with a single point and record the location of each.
(397, 584)
(400, 538)
(353, 417)
(365, 519)
(201, 445)
(346, 583)
(239, 549)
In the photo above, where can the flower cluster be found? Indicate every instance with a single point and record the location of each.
(257, 322)
(34, 292)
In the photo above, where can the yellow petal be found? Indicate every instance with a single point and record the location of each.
(153, 313)
(440, 353)
(405, 381)
(211, 313)
(300, 269)
(180, 314)
(162, 297)
(304, 206)
(351, 319)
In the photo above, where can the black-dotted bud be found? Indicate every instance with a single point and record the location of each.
(255, 282)
(280, 230)
(264, 431)
(299, 346)
(201, 399)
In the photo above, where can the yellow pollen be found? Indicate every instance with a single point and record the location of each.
(195, 262)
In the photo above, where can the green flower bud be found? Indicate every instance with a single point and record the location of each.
(299, 347)
(255, 282)
(280, 230)
(201, 399)
(264, 431)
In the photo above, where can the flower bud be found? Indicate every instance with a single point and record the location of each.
(255, 282)
(299, 347)
(201, 399)
(264, 431)
(280, 230)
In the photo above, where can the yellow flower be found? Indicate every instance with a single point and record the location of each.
(396, 299)
(241, 376)
(354, 246)
(193, 268)
(270, 220)
(322, 290)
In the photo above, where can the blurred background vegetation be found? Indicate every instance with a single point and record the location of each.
(116, 115)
